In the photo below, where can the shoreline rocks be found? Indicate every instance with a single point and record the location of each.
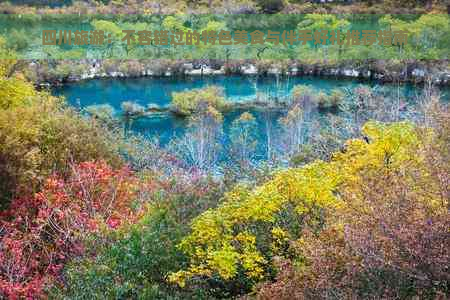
(414, 75)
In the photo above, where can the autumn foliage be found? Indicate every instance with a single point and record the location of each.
(372, 221)
(368, 221)
(40, 233)
(390, 237)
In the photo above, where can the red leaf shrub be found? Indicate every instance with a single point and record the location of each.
(39, 233)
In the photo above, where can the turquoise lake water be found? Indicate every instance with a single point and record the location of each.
(158, 90)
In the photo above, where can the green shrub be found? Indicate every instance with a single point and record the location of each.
(66, 68)
(336, 97)
(322, 100)
(187, 102)
(332, 100)
(133, 266)
(18, 40)
(102, 112)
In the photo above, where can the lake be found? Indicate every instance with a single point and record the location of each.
(158, 90)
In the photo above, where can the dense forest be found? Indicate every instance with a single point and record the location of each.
(250, 6)
(306, 172)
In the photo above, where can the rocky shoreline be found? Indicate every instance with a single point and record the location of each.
(409, 74)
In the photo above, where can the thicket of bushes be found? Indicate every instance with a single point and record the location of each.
(370, 222)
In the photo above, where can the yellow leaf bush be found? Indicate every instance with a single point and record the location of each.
(389, 237)
(14, 91)
(40, 135)
(226, 239)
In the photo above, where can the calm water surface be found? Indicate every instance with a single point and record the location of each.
(157, 91)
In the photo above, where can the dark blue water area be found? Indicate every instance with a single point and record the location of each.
(158, 91)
